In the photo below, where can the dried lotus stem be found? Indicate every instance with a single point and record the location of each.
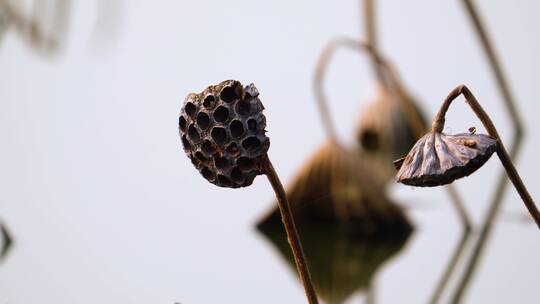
(514, 147)
(292, 233)
(438, 125)
(222, 130)
(496, 67)
(371, 36)
(389, 76)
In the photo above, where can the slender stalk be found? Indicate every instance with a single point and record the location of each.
(371, 294)
(292, 233)
(485, 231)
(438, 125)
(391, 78)
(515, 145)
(320, 73)
(495, 66)
(443, 281)
(371, 37)
(460, 207)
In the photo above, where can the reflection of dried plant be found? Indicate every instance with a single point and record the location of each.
(227, 119)
(44, 29)
(6, 242)
(434, 162)
(405, 110)
(341, 264)
(338, 186)
(515, 145)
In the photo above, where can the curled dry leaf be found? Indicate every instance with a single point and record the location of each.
(439, 159)
(223, 133)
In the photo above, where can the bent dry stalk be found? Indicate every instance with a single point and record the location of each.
(438, 159)
(223, 133)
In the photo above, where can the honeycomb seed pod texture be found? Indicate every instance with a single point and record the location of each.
(223, 133)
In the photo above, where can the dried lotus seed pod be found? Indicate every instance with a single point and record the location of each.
(439, 159)
(223, 133)
(339, 185)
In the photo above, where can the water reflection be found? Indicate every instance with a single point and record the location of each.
(43, 26)
(348, 226)
(340, 264)
(338, 186)
(7, 241)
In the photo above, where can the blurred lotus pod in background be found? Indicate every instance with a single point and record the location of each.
(223, 133)
(385, 132)
(338, 186)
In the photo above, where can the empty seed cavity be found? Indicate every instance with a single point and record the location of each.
(193, 134)
(182, 123)
(219, 135)
(251, 143)
(237, 128)
(209, 102)
(186, 143)
(223, 180)
(243, 108)
(208, 148)
(203, 121)
(236, 175)
(222, 163)
(200, 156)
(191, 109)
(232, 149)
(229, 94)
(245, 163)
(252, 124)
(208, 174)
(221, 114)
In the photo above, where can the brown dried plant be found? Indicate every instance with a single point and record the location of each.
(223, 133)
(438, 159)
(7, 241)
(44, 29)
(514, 148)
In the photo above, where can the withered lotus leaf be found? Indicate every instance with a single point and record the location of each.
(439, 159)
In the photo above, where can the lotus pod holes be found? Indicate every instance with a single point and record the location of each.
(218, 127)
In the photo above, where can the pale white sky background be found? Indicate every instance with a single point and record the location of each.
(106, 208)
